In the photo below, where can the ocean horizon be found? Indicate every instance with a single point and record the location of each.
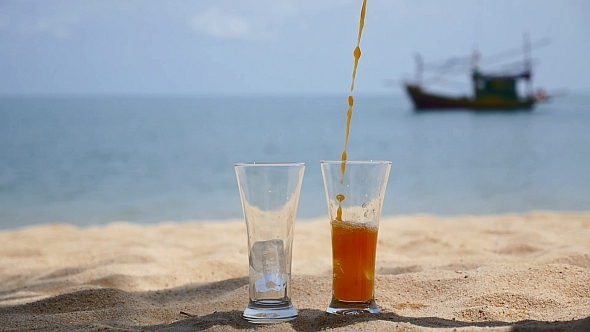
(87, 160)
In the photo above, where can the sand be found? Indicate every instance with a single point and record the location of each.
(525, 272)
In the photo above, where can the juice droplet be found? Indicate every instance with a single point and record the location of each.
(357, 53)
(339, 198)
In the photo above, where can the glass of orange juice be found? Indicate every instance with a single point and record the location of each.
(354, 193)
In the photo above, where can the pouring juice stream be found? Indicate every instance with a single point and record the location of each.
(357, 56)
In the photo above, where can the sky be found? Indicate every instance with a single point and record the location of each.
(226, 47)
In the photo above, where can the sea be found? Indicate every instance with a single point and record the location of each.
(92, 160)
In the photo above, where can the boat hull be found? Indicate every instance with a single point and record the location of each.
(428, 101)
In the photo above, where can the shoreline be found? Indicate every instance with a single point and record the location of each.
(323, 216)
(528, 271)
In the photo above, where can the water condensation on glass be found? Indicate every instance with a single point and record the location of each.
(268, 258)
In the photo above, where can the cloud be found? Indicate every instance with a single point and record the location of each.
(261, 19)
(39, 21)
(58, 26)
(219, 23)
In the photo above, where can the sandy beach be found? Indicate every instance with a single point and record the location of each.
(515, 272)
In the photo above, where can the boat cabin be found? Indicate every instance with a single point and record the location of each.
(496, 86)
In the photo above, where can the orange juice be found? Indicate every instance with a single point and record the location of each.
(353, 260)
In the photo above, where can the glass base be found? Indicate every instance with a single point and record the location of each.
(338, 307)
(269, 312)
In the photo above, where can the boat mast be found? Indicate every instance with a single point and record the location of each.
(419, 68)
(474, 60)
(528, 62)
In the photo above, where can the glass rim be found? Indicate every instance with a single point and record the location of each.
(368, 161)
(269, 163)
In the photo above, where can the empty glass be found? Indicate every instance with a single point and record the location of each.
(269, 193)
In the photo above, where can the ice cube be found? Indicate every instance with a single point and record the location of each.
(268, 258)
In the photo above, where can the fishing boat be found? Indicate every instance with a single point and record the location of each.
(491, 92)
(496, 90)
